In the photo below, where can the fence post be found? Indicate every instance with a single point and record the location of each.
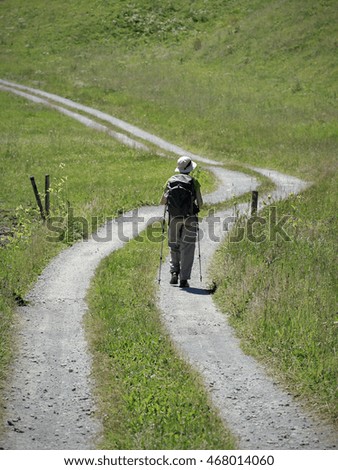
(47, 195)
(37, 197)
(254, 203)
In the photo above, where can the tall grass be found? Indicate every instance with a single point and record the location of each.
(281, 296)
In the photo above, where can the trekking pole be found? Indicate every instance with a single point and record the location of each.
(161, 254)
(199, 249)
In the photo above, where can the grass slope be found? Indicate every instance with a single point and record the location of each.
(253, 83)
(241, 81)
(281, 296)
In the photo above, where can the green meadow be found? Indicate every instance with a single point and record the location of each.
(243, 82)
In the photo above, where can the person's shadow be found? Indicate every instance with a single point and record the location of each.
(198, 291)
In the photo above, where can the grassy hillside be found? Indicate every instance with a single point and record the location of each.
(239, 81)
(252, 82)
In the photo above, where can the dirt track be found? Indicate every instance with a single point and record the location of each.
(49, 402)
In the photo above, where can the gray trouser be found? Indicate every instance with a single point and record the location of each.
(182, 234)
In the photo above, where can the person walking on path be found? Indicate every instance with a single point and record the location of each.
(182, 196)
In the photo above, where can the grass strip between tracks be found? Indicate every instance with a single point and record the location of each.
(150, 399)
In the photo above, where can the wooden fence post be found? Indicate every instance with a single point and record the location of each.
(37, 197)
(254, 203)
(47, 195)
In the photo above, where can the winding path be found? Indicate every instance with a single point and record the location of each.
(49, 402)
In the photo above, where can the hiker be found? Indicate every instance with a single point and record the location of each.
(183, 198)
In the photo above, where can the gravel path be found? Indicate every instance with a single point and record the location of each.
(49, 404)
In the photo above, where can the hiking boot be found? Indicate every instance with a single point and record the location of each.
(174, 278)
(184, 283)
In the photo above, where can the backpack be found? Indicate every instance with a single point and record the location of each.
(181, 196)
